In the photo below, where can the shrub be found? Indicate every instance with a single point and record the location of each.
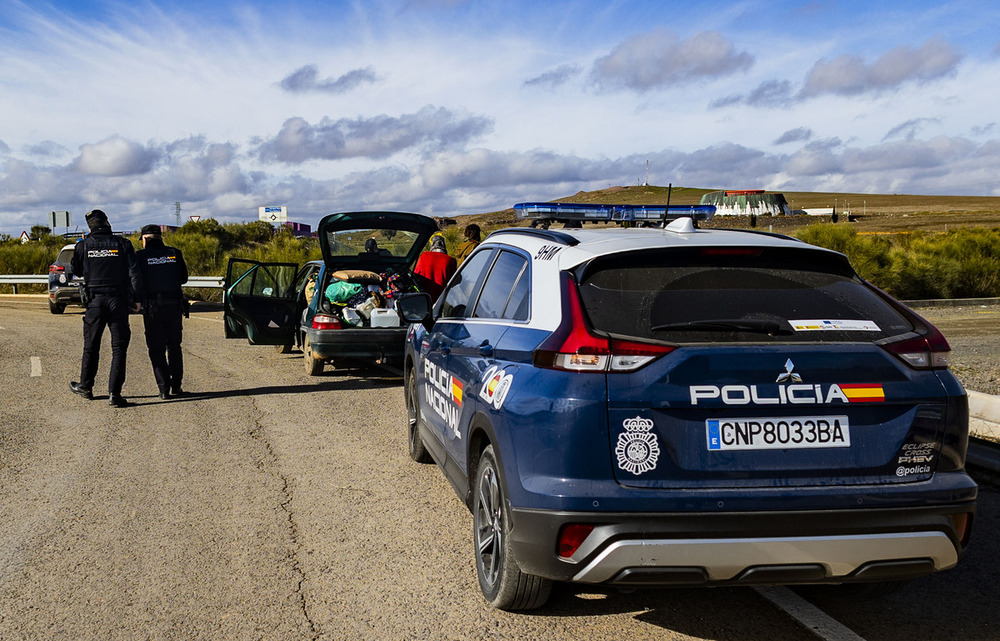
(961, 263)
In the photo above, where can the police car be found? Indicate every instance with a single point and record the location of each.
(64, 287)
(659, 404)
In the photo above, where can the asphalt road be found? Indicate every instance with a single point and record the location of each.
(271, 505)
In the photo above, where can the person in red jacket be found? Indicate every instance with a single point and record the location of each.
(435, 267)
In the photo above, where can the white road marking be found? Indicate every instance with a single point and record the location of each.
(819, 622)
(36, 366)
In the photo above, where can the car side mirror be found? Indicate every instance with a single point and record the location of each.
(415, 308)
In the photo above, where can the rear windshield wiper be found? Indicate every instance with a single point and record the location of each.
(725, 325)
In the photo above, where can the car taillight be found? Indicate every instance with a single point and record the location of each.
(927, 351)
(325, 321)
(571, 537)
(56, 269)
(572, 347)
(631, 355)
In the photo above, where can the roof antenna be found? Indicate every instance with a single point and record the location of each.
(670, 187)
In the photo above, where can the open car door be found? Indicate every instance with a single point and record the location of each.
(259, 300)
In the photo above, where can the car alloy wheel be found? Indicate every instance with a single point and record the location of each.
(501, 580)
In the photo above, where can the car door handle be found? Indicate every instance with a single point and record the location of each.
(444, 349)
(486, 349)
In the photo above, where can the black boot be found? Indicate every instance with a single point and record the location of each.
(118, 400)
(81, 391)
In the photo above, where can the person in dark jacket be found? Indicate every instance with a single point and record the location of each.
(163, 273)
(110, 274)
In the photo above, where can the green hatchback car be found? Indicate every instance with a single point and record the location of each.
(339, 310)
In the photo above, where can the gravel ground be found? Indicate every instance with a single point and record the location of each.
(974, 334)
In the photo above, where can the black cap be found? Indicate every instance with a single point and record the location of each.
(96, 217)
(151, 230)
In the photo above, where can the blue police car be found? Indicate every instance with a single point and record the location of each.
(660, 405)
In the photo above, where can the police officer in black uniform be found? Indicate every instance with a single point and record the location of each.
(163, 272)
(110, 274)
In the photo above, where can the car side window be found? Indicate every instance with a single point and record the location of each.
(460, 295)
(519, 303)
(501, 282)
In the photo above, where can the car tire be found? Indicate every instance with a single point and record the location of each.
(314, 366)
(57, 308)
(285, 348)
(501, 580)
(418, 451)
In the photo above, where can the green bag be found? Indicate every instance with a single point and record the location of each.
(340, 292)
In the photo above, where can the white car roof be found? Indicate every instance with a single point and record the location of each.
(571, 247)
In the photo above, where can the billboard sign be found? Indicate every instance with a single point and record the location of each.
(58, 219)
(273, 215)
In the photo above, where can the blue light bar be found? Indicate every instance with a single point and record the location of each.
(611, 213)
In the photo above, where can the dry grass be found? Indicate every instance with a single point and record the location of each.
(874, 213)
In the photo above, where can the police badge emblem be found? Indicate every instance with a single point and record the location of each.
(637, 449)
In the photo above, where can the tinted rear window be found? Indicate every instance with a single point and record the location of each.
(755, 295)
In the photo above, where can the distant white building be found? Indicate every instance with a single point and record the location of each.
(746, 202)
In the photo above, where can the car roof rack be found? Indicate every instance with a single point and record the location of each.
(580, 213)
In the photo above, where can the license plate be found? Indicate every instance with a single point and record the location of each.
(777, 433)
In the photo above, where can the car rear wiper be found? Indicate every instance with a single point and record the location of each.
(725, 325)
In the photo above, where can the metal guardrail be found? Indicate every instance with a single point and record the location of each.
(210, 282)
(30, 279)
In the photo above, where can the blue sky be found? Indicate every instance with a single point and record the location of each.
(447, 107)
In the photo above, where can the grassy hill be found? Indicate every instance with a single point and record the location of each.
(874, 213)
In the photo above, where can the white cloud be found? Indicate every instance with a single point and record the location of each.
(659, 58)
(849, 75)
(431, 128)
(115, 156)
(306, 79)
(799, 134)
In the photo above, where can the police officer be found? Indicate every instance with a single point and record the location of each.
(163, 272)
(110, 274)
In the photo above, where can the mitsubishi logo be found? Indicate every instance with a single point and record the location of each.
(789, 376)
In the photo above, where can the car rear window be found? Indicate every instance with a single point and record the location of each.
(65, 257)
(695, 295)
(371, 242)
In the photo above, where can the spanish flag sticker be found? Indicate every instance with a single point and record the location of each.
(863, 392)
(456, 391)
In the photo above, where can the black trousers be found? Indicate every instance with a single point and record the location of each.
(112, 312)
(162, 322)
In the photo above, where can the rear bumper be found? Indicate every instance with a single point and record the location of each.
(65, 294)
(357, 342)
(835, 546)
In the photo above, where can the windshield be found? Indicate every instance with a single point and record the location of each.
(744, 295)
(371, 242)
